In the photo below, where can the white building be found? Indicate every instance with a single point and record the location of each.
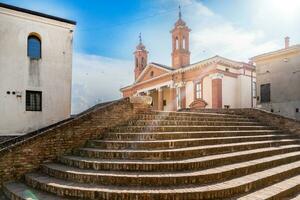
(278, 80)
(35, 69)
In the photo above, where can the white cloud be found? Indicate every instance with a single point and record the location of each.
(98, 79)
(229, 41)
(211, 34)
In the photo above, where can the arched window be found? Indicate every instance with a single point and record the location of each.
(143, 62)
(34, 47)
(152, 73)
(136, 62)
(183, 43)
(176, 43)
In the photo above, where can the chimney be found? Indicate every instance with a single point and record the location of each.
(287, 42)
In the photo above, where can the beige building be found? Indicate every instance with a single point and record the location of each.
(278, 80)
(216, 82)
(35, 69)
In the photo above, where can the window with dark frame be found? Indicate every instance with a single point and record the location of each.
(164, 102)
(265, 93)
(34, 47)
(33, 100)
(198, 90)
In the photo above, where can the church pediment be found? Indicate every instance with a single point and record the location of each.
(152, 71)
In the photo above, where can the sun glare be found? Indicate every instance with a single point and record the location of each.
(284, 8)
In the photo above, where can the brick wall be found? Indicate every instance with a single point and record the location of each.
(26, 155)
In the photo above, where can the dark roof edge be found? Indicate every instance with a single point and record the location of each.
(36, 13)
(163, 66)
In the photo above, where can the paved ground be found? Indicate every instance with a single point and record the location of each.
(2, 197)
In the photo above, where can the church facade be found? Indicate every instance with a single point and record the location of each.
(216, 82)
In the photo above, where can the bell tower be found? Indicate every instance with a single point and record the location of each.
(180, 43)
(140, 55)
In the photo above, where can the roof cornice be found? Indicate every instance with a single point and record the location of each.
(23, 10)
(293, 48)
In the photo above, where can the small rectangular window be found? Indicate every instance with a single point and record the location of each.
(265, 93)
(198, 91)
(33, 100)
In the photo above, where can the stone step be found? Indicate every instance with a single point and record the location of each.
(134, 129)
(200, 163)
(193, 118)
(123, 178)
(20, 191)
(191, 123)
(285, 189)
(181, 135)
(179, 143)
(180, 153)
(220, 190)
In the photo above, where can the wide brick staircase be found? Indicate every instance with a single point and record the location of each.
(173, 155)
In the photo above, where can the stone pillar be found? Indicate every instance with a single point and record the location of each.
(160, 99)
(216, 90)
(173, 103)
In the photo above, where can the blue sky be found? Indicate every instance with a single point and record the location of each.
(107, 33)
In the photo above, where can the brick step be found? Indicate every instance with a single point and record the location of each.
(181, 135)
(198, 177)
(294, 197)
(203, 114)
(134, 129)
(200, 163)
(20, 191)
(180, 153)
(193, 118)
(191, 123)
(179, 143)
(221, 190)
(285, 189)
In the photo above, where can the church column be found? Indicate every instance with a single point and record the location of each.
(173, 102)
(183, 97)
(216, 90)
(160, 99)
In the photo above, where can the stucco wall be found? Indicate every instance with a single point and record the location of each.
(189, 87)
(245, 92)
(167, 97)
(283, 73)
(229, 92)
(52, 74)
